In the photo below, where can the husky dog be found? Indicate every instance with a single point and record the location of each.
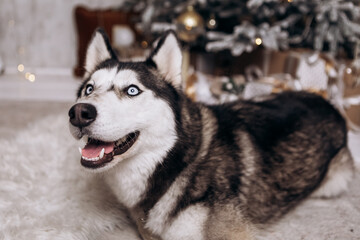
(186, 170)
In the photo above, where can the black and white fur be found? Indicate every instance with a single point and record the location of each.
(208, 172)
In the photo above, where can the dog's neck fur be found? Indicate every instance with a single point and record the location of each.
(138, 186)
(182, 154)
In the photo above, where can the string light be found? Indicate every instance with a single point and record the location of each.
(258, 41)
(212, 22)
(32, 77)
(21, 50)
(20, 67)
(27, 75)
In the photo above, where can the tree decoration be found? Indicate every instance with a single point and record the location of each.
(325, 25)
(333, 25)
(246, 37)
(211, 22)
(330, 27)
(189, 24)
(352, 72)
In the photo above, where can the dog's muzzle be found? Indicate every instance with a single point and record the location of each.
(97, 152)
(82, 114)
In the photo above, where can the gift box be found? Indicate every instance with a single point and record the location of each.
(221, 77)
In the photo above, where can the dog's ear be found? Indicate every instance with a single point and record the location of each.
(168, 58)
(99, 50)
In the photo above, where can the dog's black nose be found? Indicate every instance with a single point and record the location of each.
(82, 114)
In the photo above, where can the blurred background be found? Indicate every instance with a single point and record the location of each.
(232, 49)
(38, 39)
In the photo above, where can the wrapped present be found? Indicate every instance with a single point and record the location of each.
(279, 71)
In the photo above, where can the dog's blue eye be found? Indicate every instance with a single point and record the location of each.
(89, 88)
(133, 90)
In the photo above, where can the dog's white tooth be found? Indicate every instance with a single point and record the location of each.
(101, 155)
(90, 159)
(85, 138)
(80, 150)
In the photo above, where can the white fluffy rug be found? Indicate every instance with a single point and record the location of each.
(44, 194)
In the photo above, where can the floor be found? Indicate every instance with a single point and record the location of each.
(23, 101)
(16, 115)
(45, 87)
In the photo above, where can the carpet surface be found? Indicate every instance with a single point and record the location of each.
(45, 194)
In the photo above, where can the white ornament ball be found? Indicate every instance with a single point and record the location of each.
(123, 36)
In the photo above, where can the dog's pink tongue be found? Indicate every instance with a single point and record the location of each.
(92, 150)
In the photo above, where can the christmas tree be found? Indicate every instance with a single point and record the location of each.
(242, 26)
(323, 34)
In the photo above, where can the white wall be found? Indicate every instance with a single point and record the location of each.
(41, 33)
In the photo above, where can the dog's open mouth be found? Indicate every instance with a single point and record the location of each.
(97, 153)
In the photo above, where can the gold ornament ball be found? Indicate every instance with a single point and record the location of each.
(190, 25)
